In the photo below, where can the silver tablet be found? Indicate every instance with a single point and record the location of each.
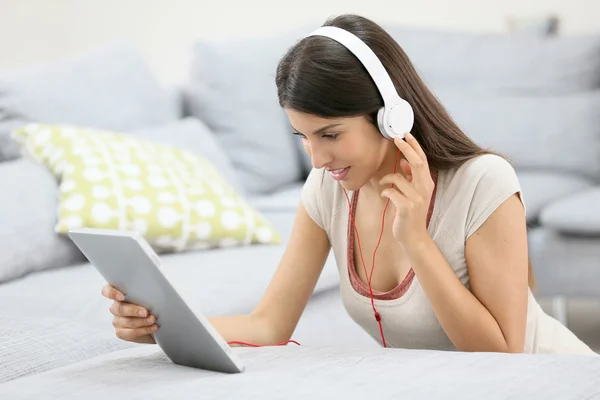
(128, 263)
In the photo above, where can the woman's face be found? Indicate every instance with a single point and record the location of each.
(351, 149)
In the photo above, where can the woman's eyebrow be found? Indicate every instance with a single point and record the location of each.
(320, 130)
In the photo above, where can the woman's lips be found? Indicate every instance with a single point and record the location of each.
(339, 174)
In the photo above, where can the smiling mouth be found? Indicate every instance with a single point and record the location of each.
(339, 174)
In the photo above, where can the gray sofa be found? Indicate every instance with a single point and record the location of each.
(535, 99)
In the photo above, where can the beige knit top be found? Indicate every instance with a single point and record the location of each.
(464, 198)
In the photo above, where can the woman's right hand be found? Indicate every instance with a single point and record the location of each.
(132, 323)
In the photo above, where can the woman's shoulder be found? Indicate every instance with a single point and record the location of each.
(473, 190)
(487, 173)
(485, 167)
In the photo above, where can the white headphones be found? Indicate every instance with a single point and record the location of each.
(396, 117)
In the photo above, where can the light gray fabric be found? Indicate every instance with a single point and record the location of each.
(28, 204)
(110, 87)
(193, 135)
(294, 372)
(33, 345)
(219, 281)
(325, 322)
(565, 265)
(67, 303)
(503, 63)
(578, 213)
(556, 133)
(176, 98)
(282, 221)
(285, 199)
(541, 188)
(232, 88)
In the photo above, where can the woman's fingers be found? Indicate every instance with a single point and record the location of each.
(139, 335)
(121, 309)
(112, 293)
(133, 323)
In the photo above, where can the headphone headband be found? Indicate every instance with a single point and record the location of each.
(365, 55)
(396, 117)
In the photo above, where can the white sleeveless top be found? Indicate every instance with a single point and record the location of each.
(465, 197)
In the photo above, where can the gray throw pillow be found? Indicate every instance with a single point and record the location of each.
(28, 207)
(109, 87)
(553, 133)
(232, 89)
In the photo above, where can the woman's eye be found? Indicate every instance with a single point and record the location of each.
(299, 134)
(331, 136)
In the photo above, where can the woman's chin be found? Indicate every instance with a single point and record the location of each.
(349, 184)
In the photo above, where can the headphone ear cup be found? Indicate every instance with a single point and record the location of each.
(381, 123)
(401, 117)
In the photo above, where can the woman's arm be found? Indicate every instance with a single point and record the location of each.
(492, 316)
(275, 317)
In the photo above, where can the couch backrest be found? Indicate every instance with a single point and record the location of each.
(532, 98)
(535, 99)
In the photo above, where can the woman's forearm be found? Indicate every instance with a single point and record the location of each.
(468, 324)
(246, 328)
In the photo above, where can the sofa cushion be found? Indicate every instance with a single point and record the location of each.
(525, 64)
(577, 213)
(286, 199)
(216, 282)
(540, 188)
(564, 264)
(109, 87)
(240, 105)
(174, 198)
(28, 204)
(554, 132)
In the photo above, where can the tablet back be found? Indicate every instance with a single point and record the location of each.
(128, 263)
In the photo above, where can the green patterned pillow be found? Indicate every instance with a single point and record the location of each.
(174, 198)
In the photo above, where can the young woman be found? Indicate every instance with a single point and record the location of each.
(429, 231)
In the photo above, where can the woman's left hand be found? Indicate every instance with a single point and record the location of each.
(411, 194)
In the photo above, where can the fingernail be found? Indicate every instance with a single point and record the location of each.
(142, 313)
(150, 319)
(120, 297)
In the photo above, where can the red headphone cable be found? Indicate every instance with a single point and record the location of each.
(369, 276)
(262, 345)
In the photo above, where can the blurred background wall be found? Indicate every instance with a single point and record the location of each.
(35, 30)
